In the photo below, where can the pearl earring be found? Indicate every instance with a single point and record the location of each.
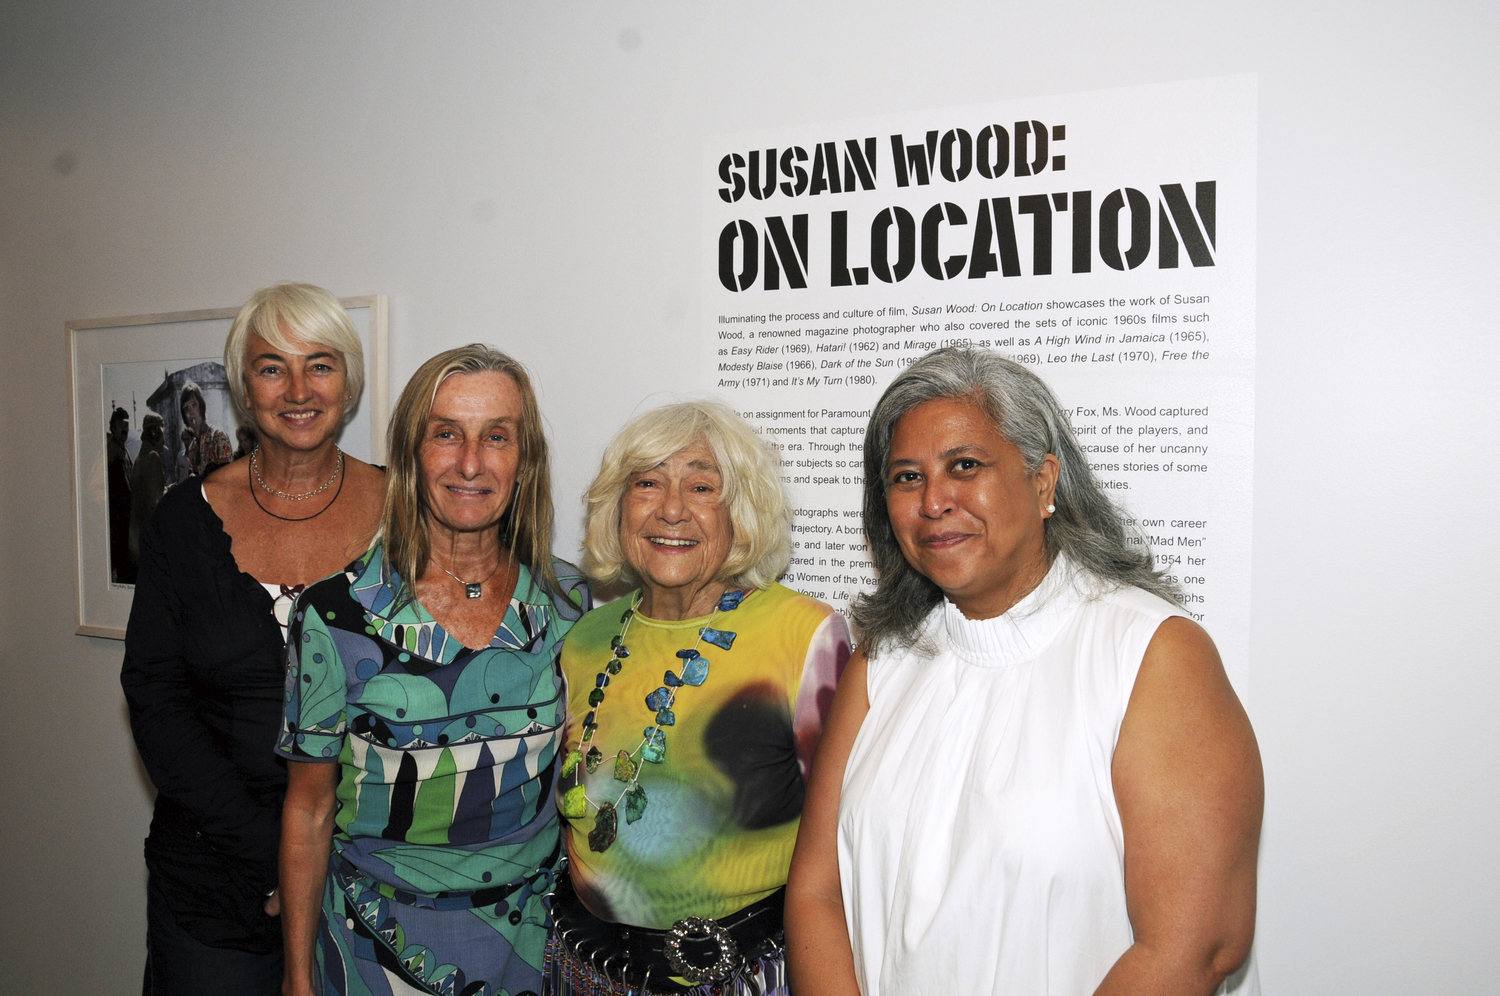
(1051, 509)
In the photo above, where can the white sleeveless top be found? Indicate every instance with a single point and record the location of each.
(980, 847)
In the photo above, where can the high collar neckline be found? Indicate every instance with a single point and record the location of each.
(1023, 631)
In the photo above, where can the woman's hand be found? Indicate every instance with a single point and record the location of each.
(273, 903)
(1189, 787)
(819, 956)
(306, 839)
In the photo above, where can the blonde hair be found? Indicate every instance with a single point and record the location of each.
(759, 511)
(526, 525)
(288, 316)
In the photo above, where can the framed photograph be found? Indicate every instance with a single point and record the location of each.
(131, 378)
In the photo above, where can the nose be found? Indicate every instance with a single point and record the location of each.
(673, 507)
(469, 463)
(937, 499)
(297, 387)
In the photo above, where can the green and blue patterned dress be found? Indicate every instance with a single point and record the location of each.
(446, 834)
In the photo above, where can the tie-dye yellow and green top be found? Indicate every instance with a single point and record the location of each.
(721, 807)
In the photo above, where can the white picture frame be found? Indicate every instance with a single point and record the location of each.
(114, 361)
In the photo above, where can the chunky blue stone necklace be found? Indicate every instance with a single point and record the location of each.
(653, 745)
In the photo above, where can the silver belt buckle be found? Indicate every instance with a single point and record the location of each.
(701, 927)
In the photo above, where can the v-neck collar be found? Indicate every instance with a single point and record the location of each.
(381, 591)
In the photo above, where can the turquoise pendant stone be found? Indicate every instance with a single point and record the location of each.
(695, 671)
(655, 747)
(592, 758)
(665, 717)
(601, 680)
(613, 667)
(659, 699)
(606, 825)
(635, 804)
(687, 655)
(718, 637)
(730, 600)
(671, 680)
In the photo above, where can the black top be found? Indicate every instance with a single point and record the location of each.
(203, 675)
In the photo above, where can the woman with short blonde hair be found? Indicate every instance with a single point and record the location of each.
(223, 557)
(753, 494)
(694, 705)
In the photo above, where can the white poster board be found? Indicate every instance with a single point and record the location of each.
(1106, 240)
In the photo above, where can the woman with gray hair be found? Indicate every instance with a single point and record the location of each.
(1036, 777)
(695, 704)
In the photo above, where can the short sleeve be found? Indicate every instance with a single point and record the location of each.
(827, 653)
(316, 701)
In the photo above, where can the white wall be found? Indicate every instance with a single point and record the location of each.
(527, 174)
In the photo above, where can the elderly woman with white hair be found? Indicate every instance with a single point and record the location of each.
(695, 705)
(1036, 777)
(221, 561)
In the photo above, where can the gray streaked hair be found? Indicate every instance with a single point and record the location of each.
(1087, 526)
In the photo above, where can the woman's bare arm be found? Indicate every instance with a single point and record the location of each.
(1188, 782)
(819, 956)
(306, 838)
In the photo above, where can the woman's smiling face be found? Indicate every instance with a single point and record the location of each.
(297, 395)
(471, 451)
(675, 529)
(965, 511)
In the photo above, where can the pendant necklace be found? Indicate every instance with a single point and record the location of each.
(472, 589)
(653, 745)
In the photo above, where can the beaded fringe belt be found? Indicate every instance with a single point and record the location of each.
(587, 956)
(567, 972)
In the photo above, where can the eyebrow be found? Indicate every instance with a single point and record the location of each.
(445, 420)
(324, 354)
(708, 465)
(947, 454)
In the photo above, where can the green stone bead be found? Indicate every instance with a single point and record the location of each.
(591, 759)
(596, 696)
(624, 767)
(635, 804)
(575, 804)
(570, 763)
(606, 825)
(655, 747)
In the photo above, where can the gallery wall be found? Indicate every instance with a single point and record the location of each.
(530, 175)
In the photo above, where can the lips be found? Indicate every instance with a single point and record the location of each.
(463, 492)
(672, 542)
(944, 541)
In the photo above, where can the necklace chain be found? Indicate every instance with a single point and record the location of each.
(652, 748)
(284, 518)
(255, 469)
(473, 589)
